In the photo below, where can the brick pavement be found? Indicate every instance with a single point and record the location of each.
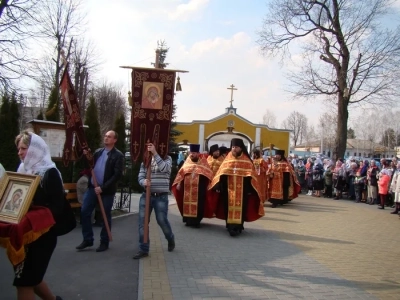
(314, 248)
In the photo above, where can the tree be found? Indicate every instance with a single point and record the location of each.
(53, 112)
(18, 20)
(348, 56)
(388, 138)
(9, 129)
(327, 125)
(119, 128)
(350, 133)
(269, 119)
(93, 135)
(61, 22)
(297, 122)
(110, 104)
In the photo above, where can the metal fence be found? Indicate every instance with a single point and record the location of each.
(122, 199)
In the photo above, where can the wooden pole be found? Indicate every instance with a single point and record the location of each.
(103, 213)
(147, 205)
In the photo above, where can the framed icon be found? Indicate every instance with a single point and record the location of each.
(16, 194)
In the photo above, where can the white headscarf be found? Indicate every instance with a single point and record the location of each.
(317, 161)
(2, 171)
(37, 160)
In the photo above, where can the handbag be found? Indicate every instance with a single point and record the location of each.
(65, 222)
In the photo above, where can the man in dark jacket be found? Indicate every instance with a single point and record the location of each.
(108, 168)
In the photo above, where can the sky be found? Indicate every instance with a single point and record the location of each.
(215, 40)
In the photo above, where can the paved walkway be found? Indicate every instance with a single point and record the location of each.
(313, 248)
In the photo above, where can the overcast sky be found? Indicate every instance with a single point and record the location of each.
(215, 40)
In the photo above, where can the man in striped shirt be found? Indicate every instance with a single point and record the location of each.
(159, 188)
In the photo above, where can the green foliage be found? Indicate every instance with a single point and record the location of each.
(53, 112)
(40, 116)
(173, 146)
(135, 168)
(9, 129)
(93, 135)
(119, 128)
(350, 133)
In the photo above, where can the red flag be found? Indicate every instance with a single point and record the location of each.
(75, 139)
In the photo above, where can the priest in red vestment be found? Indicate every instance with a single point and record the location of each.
(239, 191)
(190, 189)
(283, 184)
(214, 159)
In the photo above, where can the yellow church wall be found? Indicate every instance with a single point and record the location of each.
(280, 139)
(190, 131)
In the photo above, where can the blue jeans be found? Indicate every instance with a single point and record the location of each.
(160, 205)
(89, 204)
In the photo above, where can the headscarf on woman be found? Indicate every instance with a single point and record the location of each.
(38, 159)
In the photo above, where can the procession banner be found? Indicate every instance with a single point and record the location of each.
(152, 97)
(75, 139)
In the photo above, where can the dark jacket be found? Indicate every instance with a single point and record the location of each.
(112, 172)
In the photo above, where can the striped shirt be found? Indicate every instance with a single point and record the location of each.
(160, 174)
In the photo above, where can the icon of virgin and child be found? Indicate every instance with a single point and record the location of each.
(152, 95)
(13, 204)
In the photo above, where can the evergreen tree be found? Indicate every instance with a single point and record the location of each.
(93, 135)
(40, 116)
(53, 112)
(119, 128)
(350, 133)
(173, 146)
(9, 129)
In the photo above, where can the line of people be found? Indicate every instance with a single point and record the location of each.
(232, 186)
(363, 181)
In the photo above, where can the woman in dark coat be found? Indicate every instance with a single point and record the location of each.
(36, 160)
(318, 183)
(301, 174)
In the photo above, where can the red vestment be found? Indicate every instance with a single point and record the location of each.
(237, 170)
(194, 190)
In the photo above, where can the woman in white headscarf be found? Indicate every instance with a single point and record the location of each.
(36, 160)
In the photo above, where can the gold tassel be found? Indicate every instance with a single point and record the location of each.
(130, 98)
(178, 85)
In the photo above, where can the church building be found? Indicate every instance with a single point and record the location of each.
(221, 129)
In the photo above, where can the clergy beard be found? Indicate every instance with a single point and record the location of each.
(237, 153)
(215, 155)
(194, 159)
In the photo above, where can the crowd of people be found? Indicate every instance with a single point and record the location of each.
(226, 183)
(362, 181)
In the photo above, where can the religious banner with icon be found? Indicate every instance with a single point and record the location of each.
(152, 101)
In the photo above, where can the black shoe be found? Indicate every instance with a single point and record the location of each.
(171, 245)
(274, 205)
(103, 247)
(84, 245)
(394, 212)
(58, 298)
(140, 254)
(233, 233)
(381, 207)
